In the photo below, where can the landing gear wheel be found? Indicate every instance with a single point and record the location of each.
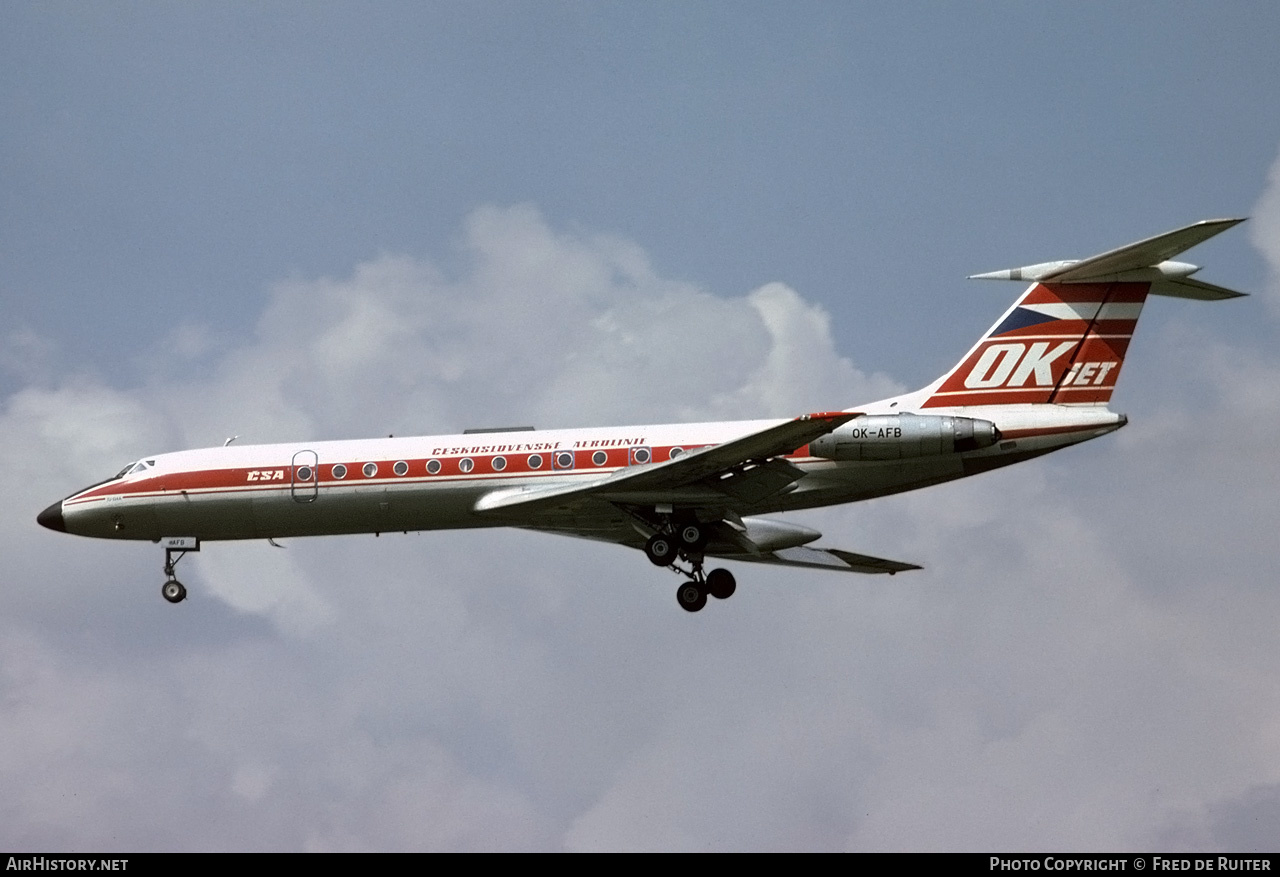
(661, 550)
(692, 537)
(721, 584)
(691, 597)
(175, 549)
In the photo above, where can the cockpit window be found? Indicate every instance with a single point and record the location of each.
(135, 468)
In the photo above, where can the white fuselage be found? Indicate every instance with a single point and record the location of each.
(434, 482)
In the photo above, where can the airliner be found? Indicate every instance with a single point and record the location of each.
(1040, 379)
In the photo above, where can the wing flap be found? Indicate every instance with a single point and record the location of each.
(507, 498)
(754, 483)
(832, 559)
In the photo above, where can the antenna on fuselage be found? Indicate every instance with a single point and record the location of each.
(230, 440)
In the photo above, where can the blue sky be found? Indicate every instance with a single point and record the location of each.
(292, 221)
(179, 158)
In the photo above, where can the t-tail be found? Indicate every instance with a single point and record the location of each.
(1065, 339)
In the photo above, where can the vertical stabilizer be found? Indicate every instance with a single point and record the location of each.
(1065, 339)
(1061, 342)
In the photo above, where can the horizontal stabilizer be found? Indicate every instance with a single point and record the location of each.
(1144, 261)
(1143, 254)
(1185, 287)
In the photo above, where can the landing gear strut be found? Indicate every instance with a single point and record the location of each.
(174, 550)
(692, 595)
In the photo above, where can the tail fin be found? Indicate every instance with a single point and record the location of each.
(1059, 343)
(1065, 339)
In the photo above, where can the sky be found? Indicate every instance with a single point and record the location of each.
(303, 221)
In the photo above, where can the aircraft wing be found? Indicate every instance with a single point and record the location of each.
(830, 558)
(746, 468)
(741, 471)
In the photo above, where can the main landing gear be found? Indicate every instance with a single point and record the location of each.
(687, 541)
(174, 550)
(692, 595)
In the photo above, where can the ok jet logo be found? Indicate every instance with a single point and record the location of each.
(1011, 364)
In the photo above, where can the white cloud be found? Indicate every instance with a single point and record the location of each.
(260, 579)
(27, 355)
(1264, 230)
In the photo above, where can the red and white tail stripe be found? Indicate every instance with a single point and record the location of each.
(1060, 343)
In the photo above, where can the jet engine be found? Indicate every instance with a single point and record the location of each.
(904, 436)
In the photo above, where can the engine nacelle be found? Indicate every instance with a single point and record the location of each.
(904, 436)
(770, 535)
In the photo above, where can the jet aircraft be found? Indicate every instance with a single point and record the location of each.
(1040, 379)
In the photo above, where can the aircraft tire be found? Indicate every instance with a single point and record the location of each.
(661, 550)
(721, 584)
(173, 591)
(692, 537)
(690, 596)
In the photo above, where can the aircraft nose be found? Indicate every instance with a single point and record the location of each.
(52, 518)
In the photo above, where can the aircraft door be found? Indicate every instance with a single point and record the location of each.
(304, 475)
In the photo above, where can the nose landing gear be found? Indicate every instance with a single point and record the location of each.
(175, 548)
